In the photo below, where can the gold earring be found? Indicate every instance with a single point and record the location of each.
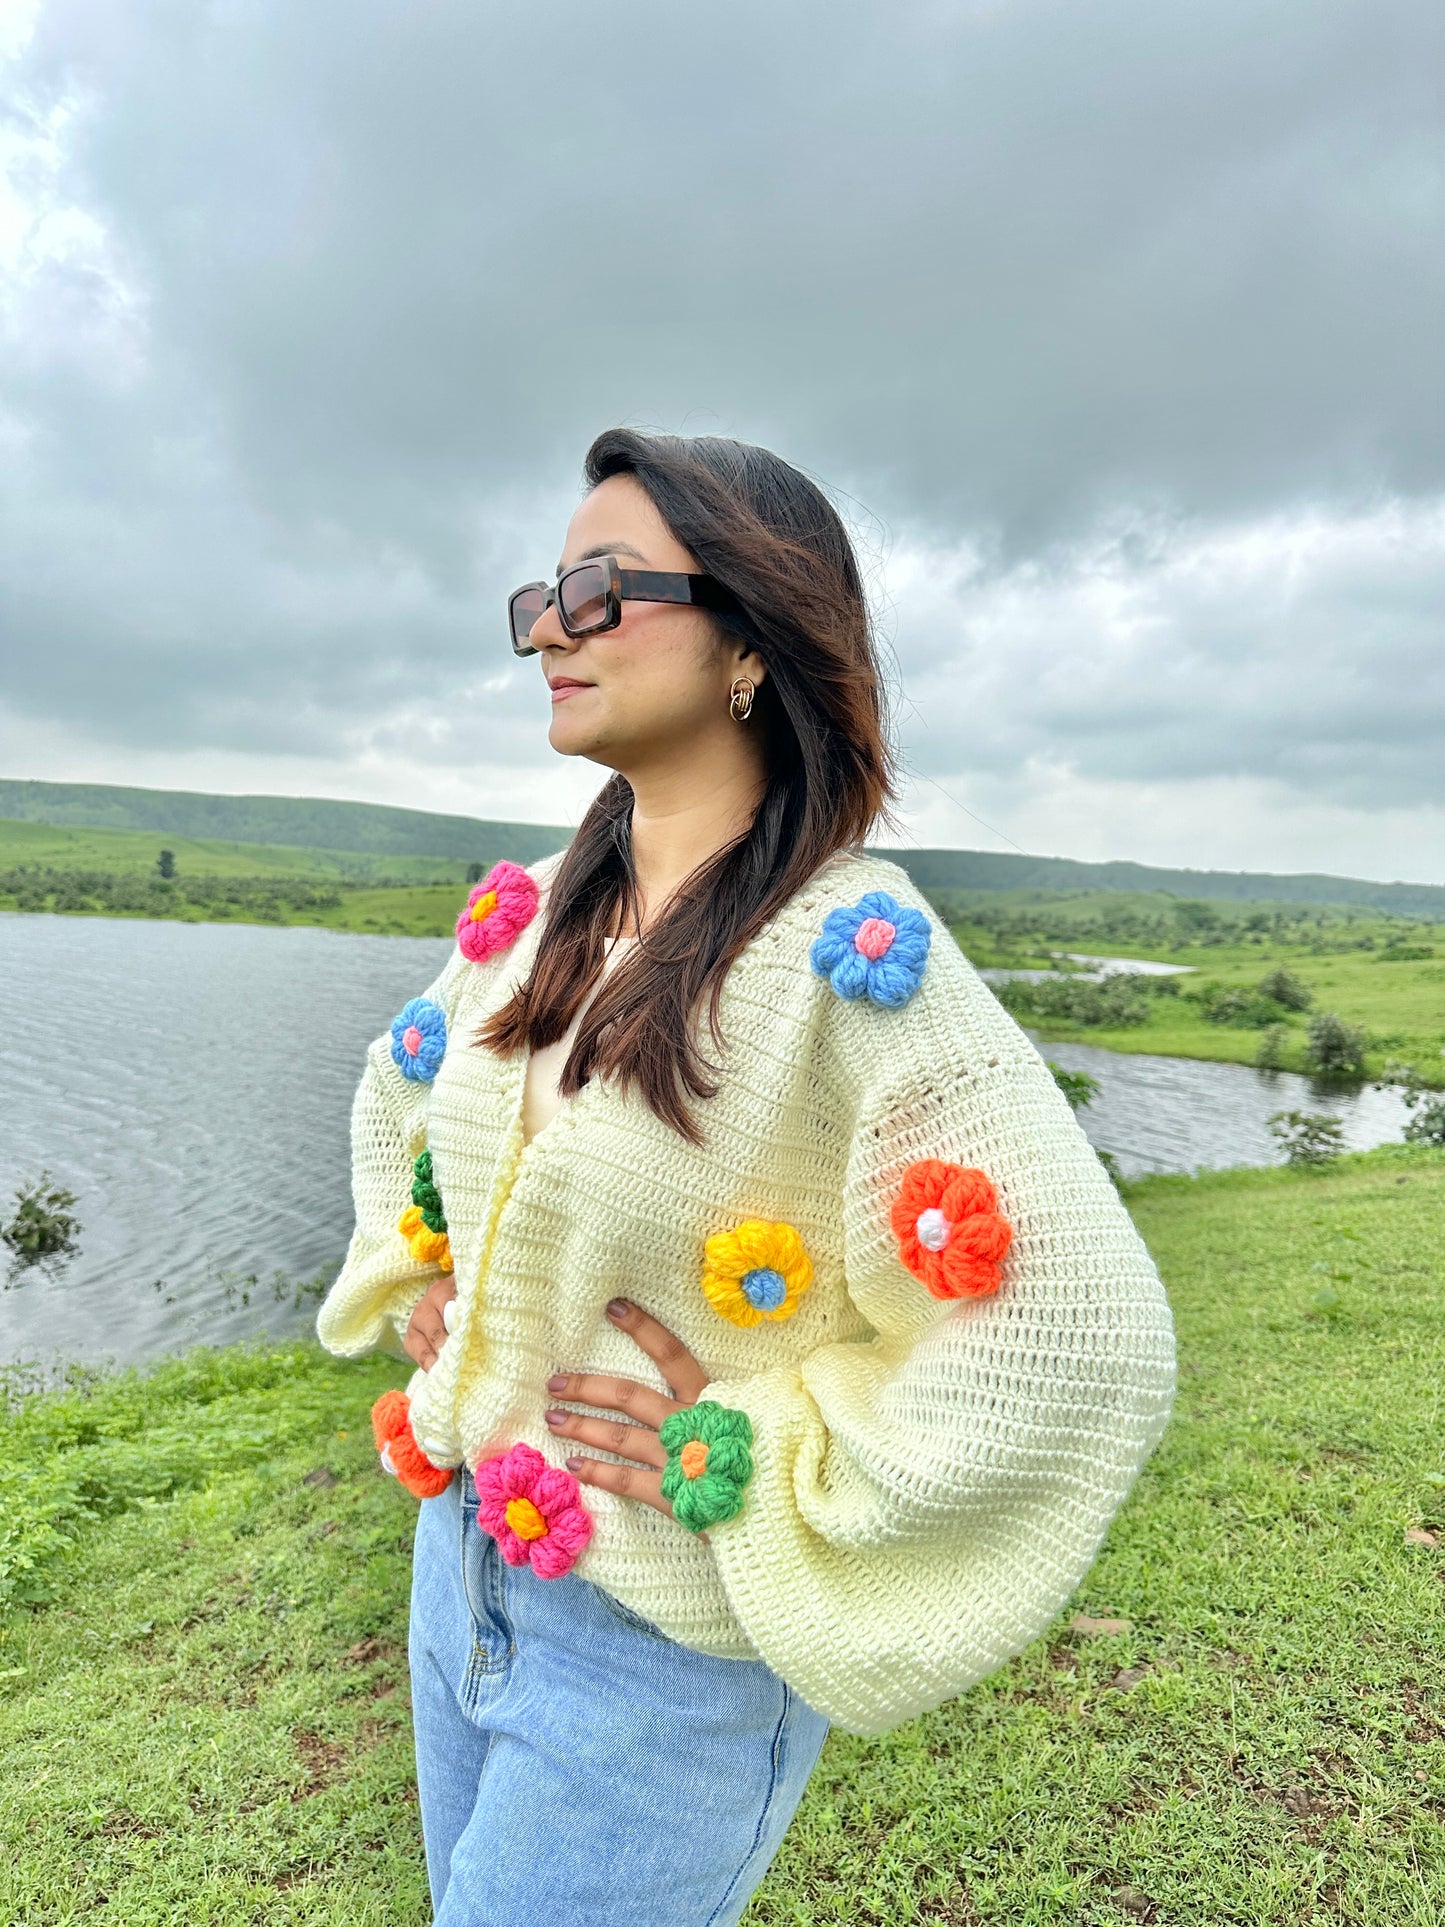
(740, 702)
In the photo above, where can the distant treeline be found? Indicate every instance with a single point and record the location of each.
(376, 829)
(258, 899)
(936, 871)
(1171, 923)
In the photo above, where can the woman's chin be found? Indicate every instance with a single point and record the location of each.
(573, 739)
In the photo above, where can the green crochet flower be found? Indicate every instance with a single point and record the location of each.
(708, 1463)
(425, 1196)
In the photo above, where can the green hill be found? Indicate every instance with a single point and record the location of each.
(373, 829)
(377, 830)
(934, 870)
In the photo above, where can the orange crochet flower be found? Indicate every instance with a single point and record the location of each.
(949, 1233)
(400, 1453)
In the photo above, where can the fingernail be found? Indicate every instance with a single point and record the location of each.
(557, 1384)
(555, 1419)
(575, 1465)
(618, 1308)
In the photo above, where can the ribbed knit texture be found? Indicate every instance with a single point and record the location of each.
(932, 1479)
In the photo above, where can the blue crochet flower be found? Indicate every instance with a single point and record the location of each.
(876, 947)
(419, 1040)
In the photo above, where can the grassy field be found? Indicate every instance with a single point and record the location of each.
(1345, 956)
(134, 853)
(1385, 975)
(203, 1694)
(113, 873)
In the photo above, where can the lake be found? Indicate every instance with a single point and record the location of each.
(192, 1085)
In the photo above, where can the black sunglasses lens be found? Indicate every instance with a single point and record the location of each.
(525, 608)
(582, 598)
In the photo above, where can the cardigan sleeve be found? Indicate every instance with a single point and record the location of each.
(925, 1500)
(380, 1284)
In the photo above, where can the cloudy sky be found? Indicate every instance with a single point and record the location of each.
(1114, 330)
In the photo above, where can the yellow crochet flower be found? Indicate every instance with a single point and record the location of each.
(758, 1271)
(428, 1247)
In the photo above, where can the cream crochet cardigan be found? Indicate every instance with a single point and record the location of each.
(933, 1478)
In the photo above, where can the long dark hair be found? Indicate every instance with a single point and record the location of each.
(772, 537)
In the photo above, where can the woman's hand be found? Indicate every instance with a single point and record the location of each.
(634, 1434)
(427, 1332)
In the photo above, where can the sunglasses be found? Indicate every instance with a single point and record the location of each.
(589, 597)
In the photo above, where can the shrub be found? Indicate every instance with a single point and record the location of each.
(1115, 1004)
(1273, 1047)
(1426, 1124)
(1283, 987)
(1335, 1049)
(1244, 1009)
(1077, 1086)
(1308, 1137)
(42, 1225)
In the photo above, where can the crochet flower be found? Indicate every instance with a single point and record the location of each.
(498, 909)
(423, 1224)
(400, 1453)
(758, 1271)
(533, 1510)
(419, 1039)
(876, 947)
(949, 1233)
(708, 1463)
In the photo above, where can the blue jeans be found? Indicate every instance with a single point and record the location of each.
(576, 1767)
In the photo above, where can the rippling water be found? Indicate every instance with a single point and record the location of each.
(192, 1084)
(1177, 1114)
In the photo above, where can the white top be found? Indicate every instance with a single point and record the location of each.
(540, 1099)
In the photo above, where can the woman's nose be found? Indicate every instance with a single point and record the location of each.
(548, 630)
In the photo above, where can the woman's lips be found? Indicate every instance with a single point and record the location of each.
(561, 689)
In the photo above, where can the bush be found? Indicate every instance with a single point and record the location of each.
(42, 1225)
(1115, 1004)
(1244, 1009)
(1308, 1137)
(1077, 1086)
(1426, 1123)
(1335, 1048)
(1273, 1048)
(1283, 987)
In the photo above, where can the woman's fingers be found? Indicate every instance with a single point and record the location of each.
(427, 1331)
(630, 1481)
(610, 1435)
(625, 1395)
(667, 1351)
(425, 1336)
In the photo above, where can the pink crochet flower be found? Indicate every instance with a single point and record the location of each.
(498, 909)
(533, 1510)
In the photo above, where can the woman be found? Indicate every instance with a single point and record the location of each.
(782, 1349)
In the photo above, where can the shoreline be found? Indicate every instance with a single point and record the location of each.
(427, 911)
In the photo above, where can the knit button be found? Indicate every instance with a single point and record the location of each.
(764, 1288)
(525, 1520)
(933, 1229)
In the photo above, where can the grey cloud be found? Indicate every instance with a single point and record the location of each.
(994, 269)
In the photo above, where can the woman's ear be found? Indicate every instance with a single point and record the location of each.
(747, 662)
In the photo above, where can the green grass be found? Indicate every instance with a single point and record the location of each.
(1399, 1004)
(203, 1710)
(112, 872)
(134, 853)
